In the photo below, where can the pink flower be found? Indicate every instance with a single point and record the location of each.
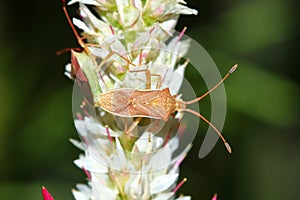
(214, 197)
(46, 194)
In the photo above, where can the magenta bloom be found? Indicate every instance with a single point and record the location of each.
(214, 197)
(46, 194)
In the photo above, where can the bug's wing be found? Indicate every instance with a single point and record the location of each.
(142, 110)
(158, 112)
(115, 102)
(153, 104)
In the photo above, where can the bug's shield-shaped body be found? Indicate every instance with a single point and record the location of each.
(158, 104)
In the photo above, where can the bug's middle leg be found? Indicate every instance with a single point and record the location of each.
(148, 86)
(133, 126)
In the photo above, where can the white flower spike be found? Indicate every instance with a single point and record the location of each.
(126, 43)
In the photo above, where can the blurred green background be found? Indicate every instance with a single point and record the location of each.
(262, 121)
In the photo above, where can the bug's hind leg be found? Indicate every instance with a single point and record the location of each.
(158, 83)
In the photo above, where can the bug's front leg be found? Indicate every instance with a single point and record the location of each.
(148, 78)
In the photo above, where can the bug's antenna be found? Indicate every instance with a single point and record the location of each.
(211, 125)
(213, 88)
(80, 41)
(59, 52)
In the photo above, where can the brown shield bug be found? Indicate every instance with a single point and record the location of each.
(156, 104)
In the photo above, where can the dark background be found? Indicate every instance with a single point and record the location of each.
(262, 121)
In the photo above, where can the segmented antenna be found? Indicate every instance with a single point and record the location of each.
(213, 88)
(204, 95)
(211, 125)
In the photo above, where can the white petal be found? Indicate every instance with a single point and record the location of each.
(184, 47)
(96, 23)
(177, 79)
(79, 195)
(83, 188)
(162, 183)
(184, 198)
(80, 24)
(161, 159)
(147, 142)
(90, 2)
(181, 1)
(164, 196)
(120, 6)
(116, 46)
(68, 67)
(101, 191)
(78, 144)
(137, 187)
(91, 125)
(181, 9)
(144, 145)
(99, 52)
(104, 193)
(169, 25)
(120, 160)
(174, 144)
(138, 4)
(83, 192)
(80, 127)
(90, 164)
(67, 74)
